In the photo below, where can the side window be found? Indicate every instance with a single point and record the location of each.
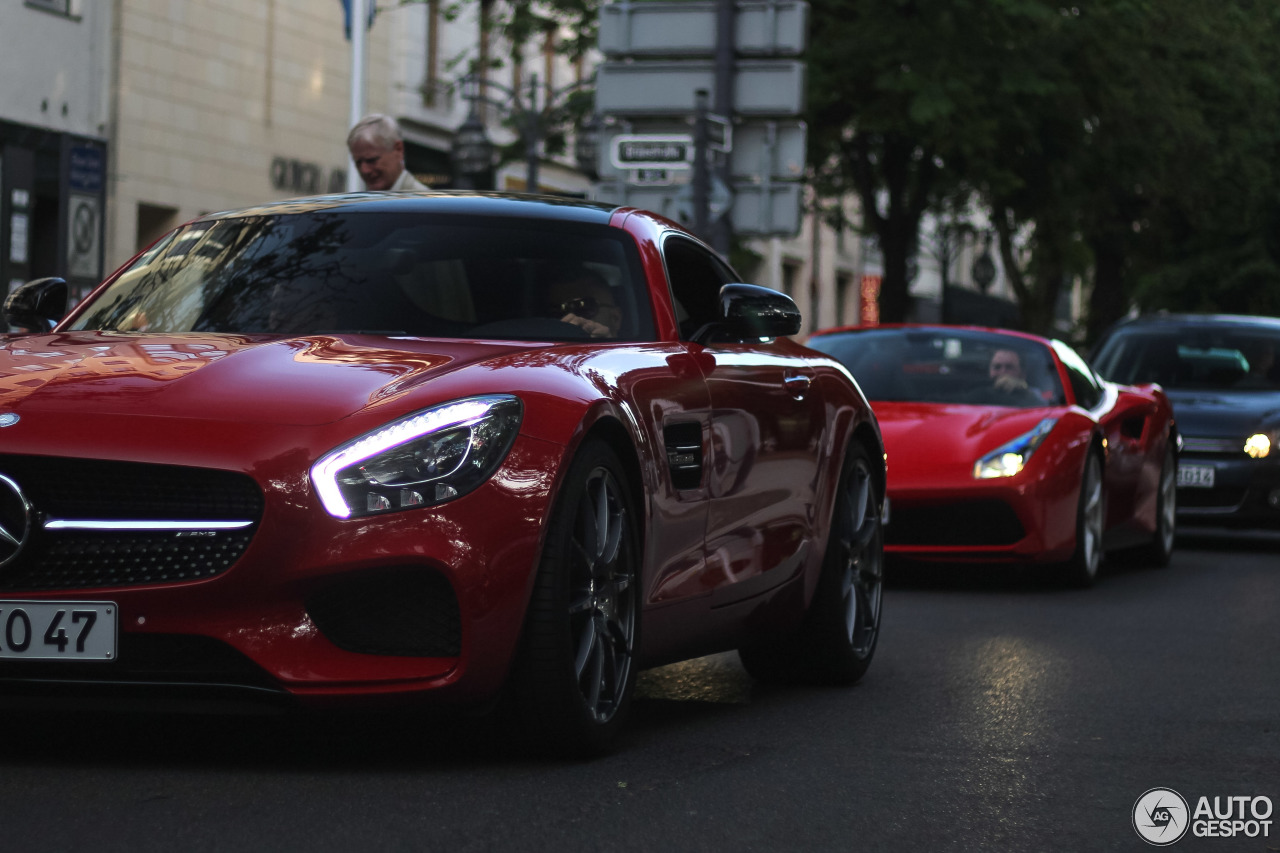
(1083, 382)
(696, 277)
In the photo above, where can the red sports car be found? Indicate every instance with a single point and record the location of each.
(442, 447)
(1005, 446)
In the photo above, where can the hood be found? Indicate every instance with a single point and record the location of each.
(928, 442)
(1224, 414)
(248, 379)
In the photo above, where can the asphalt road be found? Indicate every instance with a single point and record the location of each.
(1000, 713)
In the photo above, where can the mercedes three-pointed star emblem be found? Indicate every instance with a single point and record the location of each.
(15, 520)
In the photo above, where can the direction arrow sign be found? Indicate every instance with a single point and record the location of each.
(652, 151)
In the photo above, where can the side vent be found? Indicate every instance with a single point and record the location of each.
(684, 454)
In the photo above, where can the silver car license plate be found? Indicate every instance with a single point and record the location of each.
(1195, 476)
(58, 630)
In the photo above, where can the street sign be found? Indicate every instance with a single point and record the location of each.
(763, 210)
(719, 133)
(87, 169)
(651, 177)
(651, 151)
(659, 199)
(719, 200)
(662, 61)
(757, 211)
(764, 27)
(761, 87)
(83, 230)
(769, 149)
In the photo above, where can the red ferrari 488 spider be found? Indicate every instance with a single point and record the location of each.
(443, 447)
(1005, 446)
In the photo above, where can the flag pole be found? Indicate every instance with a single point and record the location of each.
(359, 28)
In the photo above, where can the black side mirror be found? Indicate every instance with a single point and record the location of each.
(749, 311)
(37, 305)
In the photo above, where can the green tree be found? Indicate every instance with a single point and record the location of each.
(1161, 123)
(904, 106)
(506, 28)
(1128, 142)
(1213, 234)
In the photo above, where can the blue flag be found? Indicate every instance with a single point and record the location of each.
(346, 16)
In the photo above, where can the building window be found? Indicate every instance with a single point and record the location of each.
(154, 221)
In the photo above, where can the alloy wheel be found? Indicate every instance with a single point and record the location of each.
(863, 575)
(1091, 510)
(601, 596)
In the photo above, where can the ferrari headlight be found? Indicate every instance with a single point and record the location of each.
(1009, 459)
(1257, 445)
(427, 458)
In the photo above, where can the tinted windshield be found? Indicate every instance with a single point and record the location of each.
(947, 366)
(1197, 357)
(398, 274)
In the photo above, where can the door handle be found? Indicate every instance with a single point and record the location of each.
(797, 385)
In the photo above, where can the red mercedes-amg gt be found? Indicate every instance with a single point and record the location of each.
(1007, 447)
(439, 447)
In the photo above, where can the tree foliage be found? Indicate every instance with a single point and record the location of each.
(1127, 142)
(506, 30)
(903, 107)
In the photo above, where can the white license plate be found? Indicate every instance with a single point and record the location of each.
(1195, 476)
(58, 630)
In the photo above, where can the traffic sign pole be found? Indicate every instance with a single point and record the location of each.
(722, 229)
(742, 56)
(701, 174)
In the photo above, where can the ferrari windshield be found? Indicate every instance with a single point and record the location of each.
(383, 273)
(1198, 357)
(944, 365)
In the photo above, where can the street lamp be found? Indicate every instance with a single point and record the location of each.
(473, 151)
(586, 147)
(984, 268)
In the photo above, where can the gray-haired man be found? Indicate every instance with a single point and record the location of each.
(377, 148)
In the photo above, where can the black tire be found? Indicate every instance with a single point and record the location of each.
(575, 674)
(837, 639)
(1159, 551)
(1082, 569)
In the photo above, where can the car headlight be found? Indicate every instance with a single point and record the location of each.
(1009, 459)
(423, 459)
(1257, 445)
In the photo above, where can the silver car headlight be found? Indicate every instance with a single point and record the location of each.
(423, 459)
(1009, 459)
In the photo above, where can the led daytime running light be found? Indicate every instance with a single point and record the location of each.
(325, 472)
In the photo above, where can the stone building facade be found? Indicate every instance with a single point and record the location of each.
(54, 122)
